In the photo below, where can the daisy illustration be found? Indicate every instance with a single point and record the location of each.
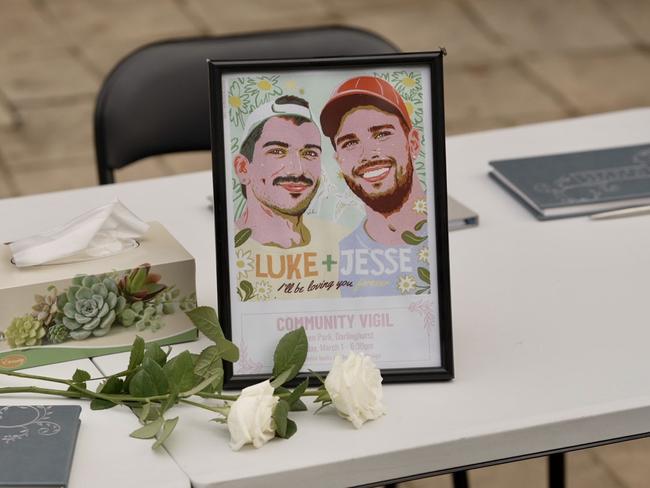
(406, 284)
(420, 206)
(244, 263)
(423, 255)
(238, 102)
(409, 84)
(263, 88)
(263, 290)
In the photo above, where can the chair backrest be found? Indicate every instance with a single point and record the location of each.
(155, 101)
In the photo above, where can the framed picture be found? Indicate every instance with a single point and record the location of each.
(331, 212)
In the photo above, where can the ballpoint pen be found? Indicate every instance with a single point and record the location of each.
(622, 212)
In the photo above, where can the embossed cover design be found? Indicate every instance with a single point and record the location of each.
(37, 444)
(579, 183)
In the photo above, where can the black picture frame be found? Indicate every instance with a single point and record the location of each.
(433, 61)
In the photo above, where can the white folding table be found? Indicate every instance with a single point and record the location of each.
(550, 323)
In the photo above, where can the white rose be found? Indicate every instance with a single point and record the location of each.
(354, 385)
(250, 418)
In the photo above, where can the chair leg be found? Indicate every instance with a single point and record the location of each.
(106, 175)
(556, 471)
(460, 479)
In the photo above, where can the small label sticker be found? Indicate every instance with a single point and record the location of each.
(13, 361)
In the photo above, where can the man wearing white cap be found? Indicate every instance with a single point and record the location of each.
(279, 169)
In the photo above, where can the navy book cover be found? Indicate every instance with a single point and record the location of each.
(37, 444)
(579, 182)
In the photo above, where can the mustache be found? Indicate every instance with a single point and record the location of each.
(293, 179)
(374, 162)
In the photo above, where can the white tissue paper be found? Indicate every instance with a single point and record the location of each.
(103, 231)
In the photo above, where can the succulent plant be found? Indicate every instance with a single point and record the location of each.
(25, 331)
(45, 308)
(90, 306)
(143, 315)
(58, 333)
(188, 302)
(140, 284)
(167, 299)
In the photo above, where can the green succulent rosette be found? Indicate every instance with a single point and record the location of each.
(58, 333)
(25, 331)
(90, 306)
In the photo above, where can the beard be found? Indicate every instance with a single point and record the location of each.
(389, 201)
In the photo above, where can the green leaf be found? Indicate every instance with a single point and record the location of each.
(325, 404)
(101, 404)
(247, 288)
(292, 428)
(112, 386)
(154, 351)
(242, 236)
(148, 414)
(424, 275)
(209, 363)
(79, 379)
(168, 428)
(323, 396)
(144, 412)
(290, 352)
(171, 400)
(298, 406)
(420, 224)
(422, 291)
(148, 431)
(410, 238)
(280, 414)
(218, 376)
(297, 393)
(149, 381)
(157, 374)
(137, 353)
(205, 319)
(138, 279)
(80, 376)
(180, 371)
(142, 385)
(282, 378)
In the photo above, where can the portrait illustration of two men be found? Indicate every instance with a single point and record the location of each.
(331, 187)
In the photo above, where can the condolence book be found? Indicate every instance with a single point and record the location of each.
(579, 183)
(37, 444)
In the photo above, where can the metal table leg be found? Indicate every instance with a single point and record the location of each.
(556, 471)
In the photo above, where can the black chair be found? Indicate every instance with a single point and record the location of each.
(155, 101)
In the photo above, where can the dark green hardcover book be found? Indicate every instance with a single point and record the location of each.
(37, 444)
(578, 183)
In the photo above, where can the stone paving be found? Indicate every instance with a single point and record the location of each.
(510, 62)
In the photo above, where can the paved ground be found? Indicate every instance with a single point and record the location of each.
(510, 62)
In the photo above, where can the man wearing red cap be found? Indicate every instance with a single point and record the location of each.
(375, 144)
